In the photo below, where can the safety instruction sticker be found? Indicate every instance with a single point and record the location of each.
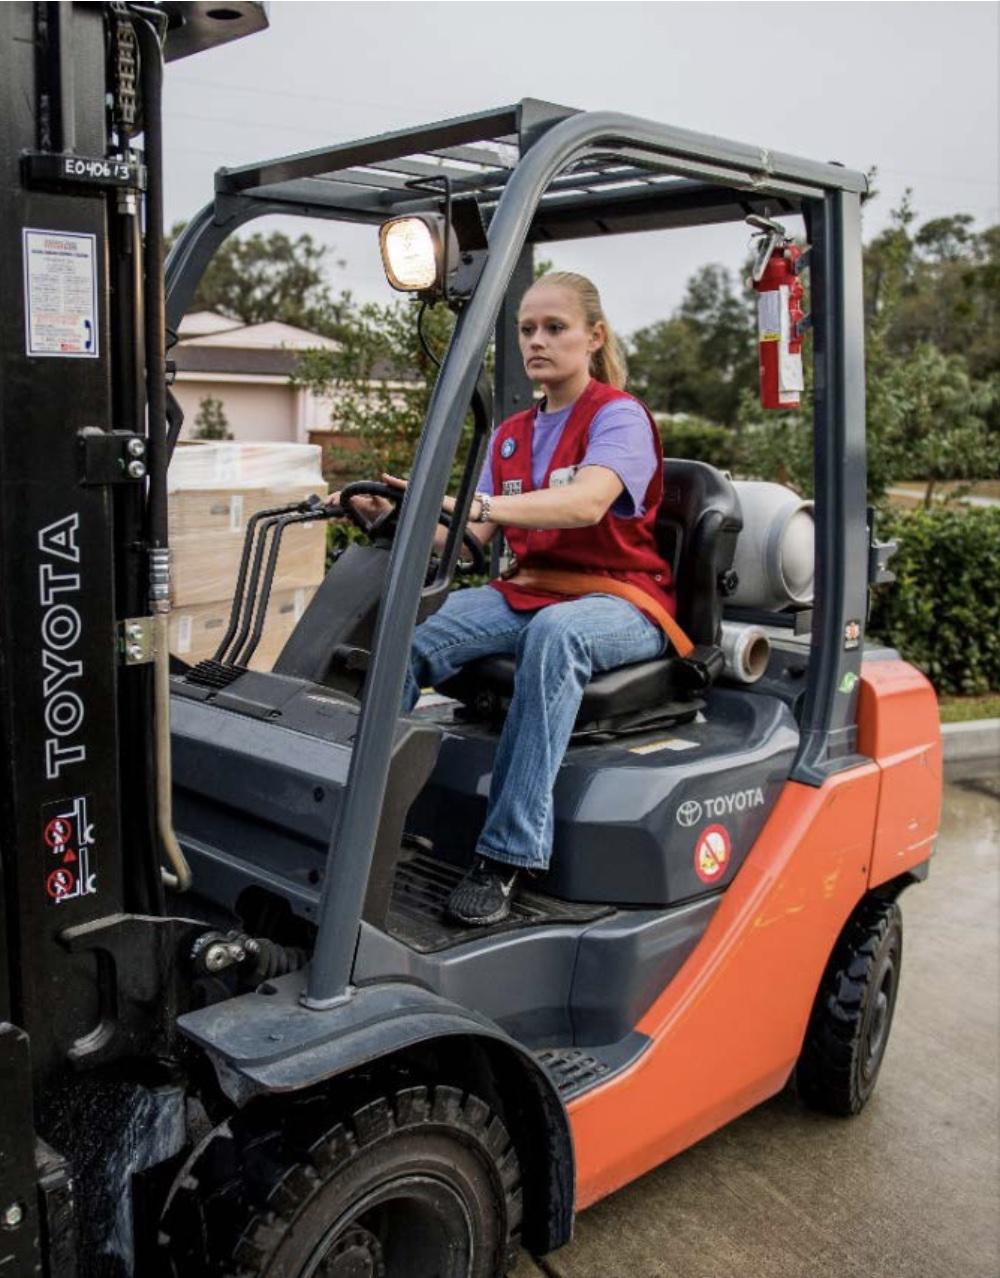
(712, 853)
(791, 378)
(60, 294)
(769, 315)
(68, 842)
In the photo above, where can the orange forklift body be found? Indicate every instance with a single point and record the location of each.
(819, 853)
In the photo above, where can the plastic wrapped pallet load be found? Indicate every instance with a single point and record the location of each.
(196, 629)
(214, 489)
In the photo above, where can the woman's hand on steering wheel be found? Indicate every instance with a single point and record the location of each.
(364, 503)
(373, 506)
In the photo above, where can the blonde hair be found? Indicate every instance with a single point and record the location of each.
(607, 364)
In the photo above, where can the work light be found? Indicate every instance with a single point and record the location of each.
(418, 252)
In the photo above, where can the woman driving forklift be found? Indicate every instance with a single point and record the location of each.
(573, 484)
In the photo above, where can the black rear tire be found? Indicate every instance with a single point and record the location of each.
(420, 1183)
(849, 1028)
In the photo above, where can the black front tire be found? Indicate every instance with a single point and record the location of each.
(852, 1016)
(420, 1183)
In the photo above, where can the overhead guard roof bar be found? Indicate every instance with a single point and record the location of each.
(370, 179)
(421, 140)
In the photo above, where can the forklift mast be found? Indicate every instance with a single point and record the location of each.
(82, 546)
(72, 464)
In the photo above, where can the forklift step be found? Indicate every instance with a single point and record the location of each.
(576, 1070)
(420, 893)
(573, 1069)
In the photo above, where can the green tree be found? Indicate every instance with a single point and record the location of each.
(685, 435)
(380, 380)
(210, 421)
(665, 366)
(931, 359)
(703, 357)
(778, 445)
(257, 278)
(938, 283)
(930, 421)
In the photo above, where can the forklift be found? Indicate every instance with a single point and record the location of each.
(238, 1036)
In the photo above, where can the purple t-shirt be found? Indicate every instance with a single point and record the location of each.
(620, 439)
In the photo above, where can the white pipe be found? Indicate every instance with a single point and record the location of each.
(180, 879)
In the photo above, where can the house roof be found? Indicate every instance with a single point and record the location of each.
(193, 357)
(271, 335)
(211, 343)
(201, 323)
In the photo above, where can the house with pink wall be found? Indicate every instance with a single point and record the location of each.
(248, 367)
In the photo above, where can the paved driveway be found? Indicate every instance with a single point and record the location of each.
(911, 1188)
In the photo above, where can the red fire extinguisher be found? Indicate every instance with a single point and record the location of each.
(779, 319)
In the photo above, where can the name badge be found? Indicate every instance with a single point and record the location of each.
(510, 487)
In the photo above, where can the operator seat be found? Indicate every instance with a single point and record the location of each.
(697, 526)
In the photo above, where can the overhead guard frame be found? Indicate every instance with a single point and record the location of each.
(551, 174)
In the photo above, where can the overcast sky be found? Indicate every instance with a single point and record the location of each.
(909, 87)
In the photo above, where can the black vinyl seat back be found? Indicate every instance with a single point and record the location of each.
(696, 528)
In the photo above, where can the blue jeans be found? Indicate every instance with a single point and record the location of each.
(557, 649)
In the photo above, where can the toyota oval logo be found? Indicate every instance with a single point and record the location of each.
(689, 813)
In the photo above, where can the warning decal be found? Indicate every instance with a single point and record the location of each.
(60, 294)
(769, 307)
(712, 853)
(69, 850)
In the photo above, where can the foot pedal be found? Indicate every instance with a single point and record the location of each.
(213, 674)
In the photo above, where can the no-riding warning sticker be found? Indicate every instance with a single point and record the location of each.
(69, 848)
(712, 853)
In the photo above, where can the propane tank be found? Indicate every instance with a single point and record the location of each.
(776, 551)
(779, 316)
(746, 650)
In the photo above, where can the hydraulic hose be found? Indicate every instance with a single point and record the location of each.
(151, 56)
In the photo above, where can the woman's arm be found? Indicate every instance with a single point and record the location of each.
(581, 503)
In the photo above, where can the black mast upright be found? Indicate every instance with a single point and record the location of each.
(60, 668)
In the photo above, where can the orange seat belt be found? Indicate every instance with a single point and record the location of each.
(584, 583)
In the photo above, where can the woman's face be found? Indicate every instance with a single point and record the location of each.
(556, 340)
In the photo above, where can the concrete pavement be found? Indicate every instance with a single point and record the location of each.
(910, 1188)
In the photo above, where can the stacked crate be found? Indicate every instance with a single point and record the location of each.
(214, 488)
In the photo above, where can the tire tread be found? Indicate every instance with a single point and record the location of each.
(827, 1071)
(265, 1179)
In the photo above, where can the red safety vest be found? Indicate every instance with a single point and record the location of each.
(625, 549)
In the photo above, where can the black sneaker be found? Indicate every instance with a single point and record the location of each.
(484, 895)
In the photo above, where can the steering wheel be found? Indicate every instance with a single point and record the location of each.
(384, 525)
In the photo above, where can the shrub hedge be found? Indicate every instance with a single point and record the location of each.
(943, 611)
(685, 435)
